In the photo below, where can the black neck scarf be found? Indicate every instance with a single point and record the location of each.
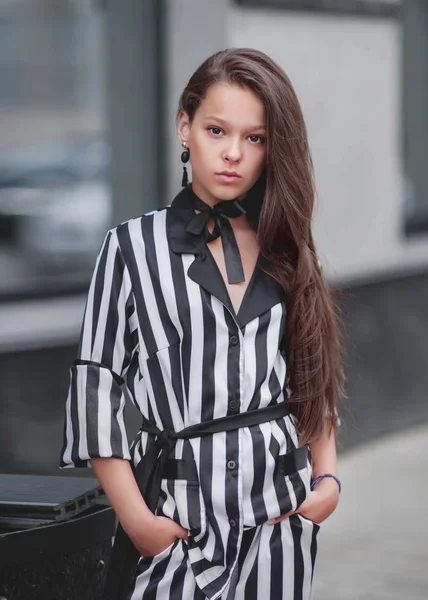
(221, 213)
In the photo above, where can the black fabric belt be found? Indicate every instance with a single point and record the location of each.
(149, 473)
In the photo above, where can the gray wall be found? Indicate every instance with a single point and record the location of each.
(386, 357)
(347, 72)
(134, 82)
(194, 29)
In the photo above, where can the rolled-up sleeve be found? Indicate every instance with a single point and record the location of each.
(94, 414)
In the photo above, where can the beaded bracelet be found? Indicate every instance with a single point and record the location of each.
(317, 479)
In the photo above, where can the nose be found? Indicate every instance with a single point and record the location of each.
(233, 152)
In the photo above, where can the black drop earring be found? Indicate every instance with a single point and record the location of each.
(185, 156)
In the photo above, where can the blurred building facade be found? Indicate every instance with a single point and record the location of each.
(87, 110)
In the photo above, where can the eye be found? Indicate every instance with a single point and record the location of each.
(256, 139)
(215, 131)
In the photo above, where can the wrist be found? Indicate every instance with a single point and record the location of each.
(316, 480)
(137, 522)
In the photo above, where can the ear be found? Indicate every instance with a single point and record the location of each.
(183, 126)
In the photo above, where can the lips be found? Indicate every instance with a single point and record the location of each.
(229, 174)
(228, 177)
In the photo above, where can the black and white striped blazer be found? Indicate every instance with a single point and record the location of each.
(159, 321)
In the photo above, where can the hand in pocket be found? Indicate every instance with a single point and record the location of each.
(318, 505)
(154, 537)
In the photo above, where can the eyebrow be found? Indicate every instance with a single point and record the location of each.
(225, 123)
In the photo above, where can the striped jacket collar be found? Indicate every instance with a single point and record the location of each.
(262, 293)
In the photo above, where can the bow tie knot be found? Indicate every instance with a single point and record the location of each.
(220, 213)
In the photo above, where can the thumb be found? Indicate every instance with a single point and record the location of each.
(181, 532)
(278, 519)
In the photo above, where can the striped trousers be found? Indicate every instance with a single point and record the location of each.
(276, 562)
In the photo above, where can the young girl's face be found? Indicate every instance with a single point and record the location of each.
(226, 139)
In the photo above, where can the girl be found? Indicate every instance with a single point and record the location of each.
(214, 313)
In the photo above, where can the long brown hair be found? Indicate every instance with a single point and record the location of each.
(312, 338)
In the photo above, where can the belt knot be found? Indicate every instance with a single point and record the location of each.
(166, 439)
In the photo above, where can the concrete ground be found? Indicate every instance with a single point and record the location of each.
(375, 545)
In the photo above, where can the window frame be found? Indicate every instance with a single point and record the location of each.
(414, 132)
(375, 8)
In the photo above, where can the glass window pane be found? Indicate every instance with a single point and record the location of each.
(54, 160)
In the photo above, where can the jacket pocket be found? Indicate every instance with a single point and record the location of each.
(182, 501)
(293, 476)
(317, 525)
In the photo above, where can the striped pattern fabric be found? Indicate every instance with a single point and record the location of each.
(275, 562)
(159, 322)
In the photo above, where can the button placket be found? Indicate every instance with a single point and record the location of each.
(232, 466)
(234, 340)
